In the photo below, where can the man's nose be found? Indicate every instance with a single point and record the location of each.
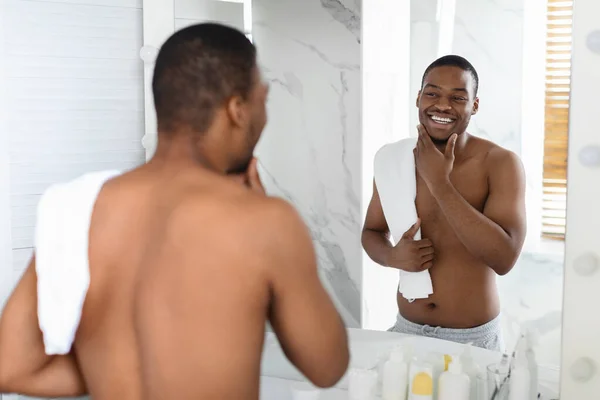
(443, 104)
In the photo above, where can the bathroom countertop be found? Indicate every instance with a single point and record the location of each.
(280, 389)
(368, 349)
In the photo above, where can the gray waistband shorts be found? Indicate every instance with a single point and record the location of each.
(487, 336)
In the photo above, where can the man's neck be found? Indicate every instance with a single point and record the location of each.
(183, 151)
(459, 147)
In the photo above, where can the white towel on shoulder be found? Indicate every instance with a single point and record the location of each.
(61, 257)
(395, 177)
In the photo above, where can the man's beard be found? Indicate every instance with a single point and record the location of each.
(439, 142)
(241, 167)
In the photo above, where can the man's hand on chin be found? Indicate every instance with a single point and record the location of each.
(250, 178)
(433, 165)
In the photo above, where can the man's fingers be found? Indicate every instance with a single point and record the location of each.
(427, 258)
(426, 266)
(424, 138)
(449, 153)
(412, 231)
(422, 266)
(419, 138)
(423, 243)
(254, 178)
(425, 251)
(242, 179)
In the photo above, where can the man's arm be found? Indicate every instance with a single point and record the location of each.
(302, 315)
(376, 233)
(24, 366)
(495, 236)
(408, 254)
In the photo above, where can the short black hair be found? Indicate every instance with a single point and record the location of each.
(197, 70)
(453, 61)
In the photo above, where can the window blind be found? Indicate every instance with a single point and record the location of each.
(75, 97)
(558, 74)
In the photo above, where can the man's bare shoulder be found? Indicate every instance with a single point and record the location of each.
(500, 163)
(248, 218)
(496, 157)
(503, 160)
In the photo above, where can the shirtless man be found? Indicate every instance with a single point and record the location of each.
(471, 206)
(186, 264)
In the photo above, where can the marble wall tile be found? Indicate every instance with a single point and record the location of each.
(531, 297)
(489, 33)
(310, 151)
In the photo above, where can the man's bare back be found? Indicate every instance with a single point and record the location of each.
(182, 304)
(174, 298)
(188, 257)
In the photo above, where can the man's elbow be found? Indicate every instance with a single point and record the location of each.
(7, 382)
(3, 385)
(4, 379)
(506, 264)
(502, 270)
(331, 375)
(364, 237)
(371, 236)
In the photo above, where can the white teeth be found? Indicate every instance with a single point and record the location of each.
(441, 120)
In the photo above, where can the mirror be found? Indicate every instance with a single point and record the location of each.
(521, 53)
(523, 71)
(314, 154)
(524, 88)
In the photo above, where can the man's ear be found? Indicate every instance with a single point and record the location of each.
(475, 106)
(236, 111)
(418, 99)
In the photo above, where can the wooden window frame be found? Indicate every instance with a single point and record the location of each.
(556, 118)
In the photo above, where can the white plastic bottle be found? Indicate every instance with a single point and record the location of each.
(520, 379)
(476, 374)
(421, 381)
(454, 383)
(395, 376)
(439, 362)
(362, 384)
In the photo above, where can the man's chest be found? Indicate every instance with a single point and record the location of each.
(470, 183)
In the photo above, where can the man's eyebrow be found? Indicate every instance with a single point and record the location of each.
(454, 89)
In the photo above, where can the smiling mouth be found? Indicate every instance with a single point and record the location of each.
(441, 120)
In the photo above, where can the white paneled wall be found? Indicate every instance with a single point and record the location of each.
(189, 12)
(74, 93)
(6, 273)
